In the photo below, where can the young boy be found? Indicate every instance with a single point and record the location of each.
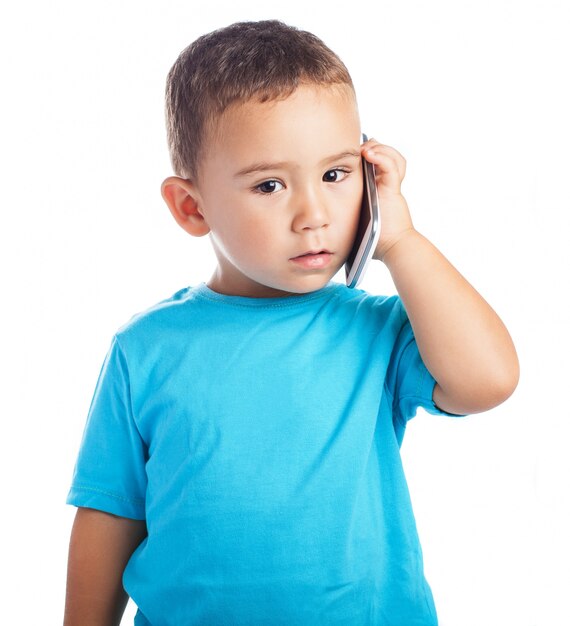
(240, 463)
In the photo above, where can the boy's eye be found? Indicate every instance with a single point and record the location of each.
(334, 176)
(269, 186)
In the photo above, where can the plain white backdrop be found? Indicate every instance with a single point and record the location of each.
(474, 94)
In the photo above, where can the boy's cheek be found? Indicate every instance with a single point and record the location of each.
(352, 226)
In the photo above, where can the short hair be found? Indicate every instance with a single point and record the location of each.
(262, 61)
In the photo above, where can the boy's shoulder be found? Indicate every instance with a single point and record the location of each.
(157, 314)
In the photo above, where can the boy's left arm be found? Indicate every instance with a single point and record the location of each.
(462, 341)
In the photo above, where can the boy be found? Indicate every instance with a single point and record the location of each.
(240, 464)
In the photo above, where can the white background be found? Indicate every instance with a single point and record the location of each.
(474, 94)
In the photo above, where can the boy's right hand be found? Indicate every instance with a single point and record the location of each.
(395, 219)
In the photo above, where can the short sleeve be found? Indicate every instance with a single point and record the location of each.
(110, 470)
(409, 382)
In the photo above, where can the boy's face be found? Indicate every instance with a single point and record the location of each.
(280, 189)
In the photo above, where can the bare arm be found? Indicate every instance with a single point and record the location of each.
(100, 546)
(462, 341)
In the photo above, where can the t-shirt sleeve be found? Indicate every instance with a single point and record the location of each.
(110, 470)
(409, 382)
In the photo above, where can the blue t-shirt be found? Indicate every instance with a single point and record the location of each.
(259, 439)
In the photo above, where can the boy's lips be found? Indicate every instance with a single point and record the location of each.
(313, 259)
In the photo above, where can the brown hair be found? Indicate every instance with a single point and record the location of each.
(264, 60)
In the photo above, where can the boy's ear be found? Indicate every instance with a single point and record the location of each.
(183, 200)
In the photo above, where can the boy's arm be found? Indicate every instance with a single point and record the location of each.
(100, 546)
(462, 341)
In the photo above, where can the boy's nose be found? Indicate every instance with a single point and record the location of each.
(310, 213)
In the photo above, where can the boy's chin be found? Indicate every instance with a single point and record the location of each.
(278, 287)
(309, 285)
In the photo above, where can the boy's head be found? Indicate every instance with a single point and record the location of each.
(262, 61)
(265, 140)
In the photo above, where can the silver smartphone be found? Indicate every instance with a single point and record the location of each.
(368, 227)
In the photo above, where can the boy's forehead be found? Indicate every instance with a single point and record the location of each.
(303, 99)
(321, 117)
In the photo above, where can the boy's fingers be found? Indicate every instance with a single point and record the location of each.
(388, 159)
(372, 147)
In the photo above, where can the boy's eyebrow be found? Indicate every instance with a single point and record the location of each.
(263, 166)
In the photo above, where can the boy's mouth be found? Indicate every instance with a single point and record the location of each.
(313, 259)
